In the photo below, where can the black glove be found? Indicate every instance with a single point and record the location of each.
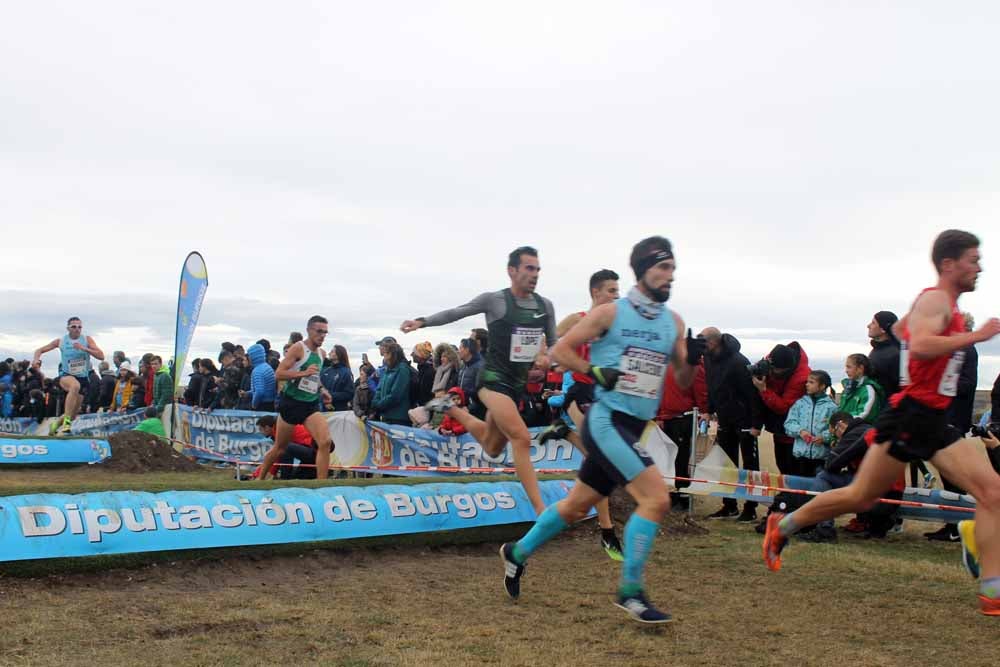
(695, 349)
(604, 376)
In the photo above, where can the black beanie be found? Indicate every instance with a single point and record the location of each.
(782, 357)
(886, 319)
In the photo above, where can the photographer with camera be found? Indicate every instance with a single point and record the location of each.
(780, 380)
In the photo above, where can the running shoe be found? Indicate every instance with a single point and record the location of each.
(557, 430)
(970, 553)
(774, 542)
(929, 480)
(897, 527)
(947, 533)
(65, 427)
(441, 404)
(989, 606)
(856, 525)
(641, 610)
(748, 515)
(726, 512)
(512, 571)
(612, 546)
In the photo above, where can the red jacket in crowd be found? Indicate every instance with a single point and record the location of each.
(781, 393)
(676, 401)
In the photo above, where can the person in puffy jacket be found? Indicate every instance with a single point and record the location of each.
(809, 423)
(263, 386)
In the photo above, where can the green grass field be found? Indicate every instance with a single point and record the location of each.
(436, 599)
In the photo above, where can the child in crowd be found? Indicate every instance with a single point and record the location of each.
(448, 425)
(363, 393)
(808, 422)
(863, 397)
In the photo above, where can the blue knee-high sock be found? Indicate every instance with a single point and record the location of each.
(639, 536)
(548, 524)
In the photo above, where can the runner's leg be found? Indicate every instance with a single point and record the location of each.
(603, 509)
(71, 386)
(282, 436)
(509, 427)
(963, 464)
(653, 499)
(319, 429)
(877, 473)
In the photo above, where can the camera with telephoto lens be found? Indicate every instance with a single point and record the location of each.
(993, 428)
(760, 369)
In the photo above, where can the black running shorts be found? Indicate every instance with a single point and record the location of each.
(914, 431)
(295, 412)
(613, 442)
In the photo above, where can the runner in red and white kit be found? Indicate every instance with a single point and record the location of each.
(915, 427)
(603, 289)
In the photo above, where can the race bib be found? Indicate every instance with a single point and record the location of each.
(643, 372)
(78, 367)
(949, 381)
(525, 344)
(309, 384)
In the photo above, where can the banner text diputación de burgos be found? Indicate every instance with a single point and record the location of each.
(94, 523)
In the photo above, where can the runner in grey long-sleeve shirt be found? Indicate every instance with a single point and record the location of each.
(517, 320)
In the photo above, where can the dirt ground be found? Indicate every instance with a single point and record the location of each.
(135, 452)
(901, 602)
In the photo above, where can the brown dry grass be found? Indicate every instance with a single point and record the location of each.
(901, 602)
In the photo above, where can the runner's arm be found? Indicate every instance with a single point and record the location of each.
(551, 334)
(567, 323)
(683, 372)
(927, 320)
(93, 350)
(481, 304)
(42, 350)
(592, 325)
(285, 371)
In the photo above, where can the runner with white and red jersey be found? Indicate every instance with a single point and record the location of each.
(915, 427)
(579, 397)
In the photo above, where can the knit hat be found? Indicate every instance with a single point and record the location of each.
(782, 357)
(886, 319)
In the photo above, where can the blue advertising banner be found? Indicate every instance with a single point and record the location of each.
(232, 435)
(190, 295)
(53, 450)
(102, 424)
(55, 526)
(18, 425)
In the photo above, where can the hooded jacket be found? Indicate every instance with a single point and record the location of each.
(163, 388)
(339, 381)
(392, 398)
(864, 398)
(781, 393)
(731, 394)
(453, 426)
(884, 358)
(263, 386)
(812, 414)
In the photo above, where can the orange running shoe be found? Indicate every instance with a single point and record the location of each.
(774, 541)
(989, 606)
(856, 526)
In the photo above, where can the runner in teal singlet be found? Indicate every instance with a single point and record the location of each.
(519, 322)
(300, 399)
(76, 349)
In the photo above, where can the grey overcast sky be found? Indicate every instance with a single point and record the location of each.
(377, 161)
